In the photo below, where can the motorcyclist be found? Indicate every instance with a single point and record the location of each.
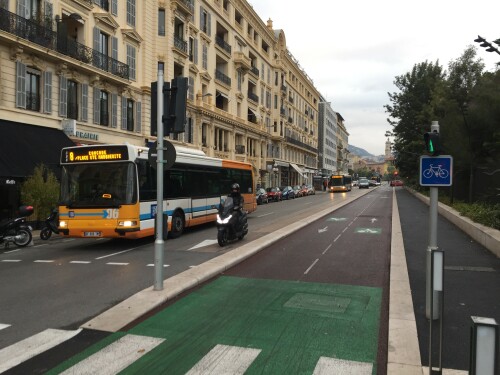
(238, 202)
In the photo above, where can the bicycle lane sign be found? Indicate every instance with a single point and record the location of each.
(436, 171)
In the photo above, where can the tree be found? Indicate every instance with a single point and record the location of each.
(41, 190)
(411, 112)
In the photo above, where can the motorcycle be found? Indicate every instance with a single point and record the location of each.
(16, 230)
(50, 225)
(230, 225)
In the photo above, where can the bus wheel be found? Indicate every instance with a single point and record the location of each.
(177, 226)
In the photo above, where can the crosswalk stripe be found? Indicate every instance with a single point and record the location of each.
(3, 326)
(25, 349)
(116, 356)
(223, 359)
(327, 365)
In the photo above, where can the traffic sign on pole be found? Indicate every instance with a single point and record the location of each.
(436, 171)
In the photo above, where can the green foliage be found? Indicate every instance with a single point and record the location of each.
(488, 215)
(41, 190)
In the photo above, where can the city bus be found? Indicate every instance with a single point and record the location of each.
(339, 183)
(109, 191)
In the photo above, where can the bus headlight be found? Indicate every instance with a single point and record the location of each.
(127, 223)
(63, 224)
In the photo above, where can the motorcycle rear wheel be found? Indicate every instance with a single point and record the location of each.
(45, 233)
(222, 237)
(23, 237)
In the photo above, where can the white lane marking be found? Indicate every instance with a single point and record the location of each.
(11, 260)
(311, 266)
(12, 251)
(42, 245)
(116, 356)
(322, 230)
(68, 240)
(224, 359)
(345, 229)
(328, 365)
(43, 261)
(327, 249)
(81, 261)
(3, 326)
(152, 265)
(203, 244)
(270, 213)
(373, 220)
(117, 264)
(336, 238)
(25, 349)
(120, 252)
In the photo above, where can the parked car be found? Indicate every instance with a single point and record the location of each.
(364, 183)
(374, 183)
(287, 192)
(298, 191)
(304, 190)
(261, 196)
(310, 189)
(396, 183)
(274, 194)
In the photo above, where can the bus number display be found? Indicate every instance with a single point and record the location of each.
(97, 153)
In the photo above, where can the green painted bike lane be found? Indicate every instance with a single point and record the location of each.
(274, 326)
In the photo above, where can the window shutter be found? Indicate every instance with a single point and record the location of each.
(190, 88)
(205, 56)
(202, 18)
(138, 124)
(63, 96)
(97, 44)
(48, 14)
(209, 24)
(22, 10)
(97, 106)
(114, 110)
(195, 52)
(114, 48)
(20, 85)
(114, 7)
(85, 102)
(124, 113)
(47, 92)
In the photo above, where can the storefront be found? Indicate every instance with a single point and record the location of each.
(22, 148)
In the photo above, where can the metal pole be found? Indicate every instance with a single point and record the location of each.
(433, 219)
(159, 243)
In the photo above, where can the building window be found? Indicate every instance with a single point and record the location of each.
(32, 89)
(131, 53)
(130, 115)
(205, 56)
(72, 100)
(104, 108)
(191, 49)
(131, 12)
(161, 22)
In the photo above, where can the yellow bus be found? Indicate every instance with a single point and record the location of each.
(340, 183)
(109, 191)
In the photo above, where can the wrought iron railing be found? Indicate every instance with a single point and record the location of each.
(33, 101)
(222, 43)
(222, 77)
(47, 38)
(72, 111)
(253, 97)
(180, 44)
(255, 71)
(300, 144)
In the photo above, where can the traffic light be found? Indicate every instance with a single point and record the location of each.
(432, 143)
(174, 106)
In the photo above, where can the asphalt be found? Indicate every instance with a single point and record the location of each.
(471, 288)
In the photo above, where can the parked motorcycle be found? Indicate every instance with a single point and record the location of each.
(230, 224)
(50, 225)
(16, 230)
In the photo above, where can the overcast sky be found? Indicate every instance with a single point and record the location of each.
(353, 50)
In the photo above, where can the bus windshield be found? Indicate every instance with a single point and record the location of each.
(96, 185)
(337, 181)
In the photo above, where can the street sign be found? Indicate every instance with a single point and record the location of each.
(436, 171)
(169, 155)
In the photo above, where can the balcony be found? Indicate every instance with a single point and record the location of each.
(221, 77)
(300, 144)
(44, 37)
(180, 44)
(241, 61)
(254, 71)
(253, 97)
(222, 44)
(185, 6)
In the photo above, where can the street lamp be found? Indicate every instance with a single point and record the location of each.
(485, 44)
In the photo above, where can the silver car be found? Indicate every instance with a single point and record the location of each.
(364, 183)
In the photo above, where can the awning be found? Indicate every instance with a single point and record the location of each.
(23, 147)
(281, 163)
(223, 95)
(299, 171)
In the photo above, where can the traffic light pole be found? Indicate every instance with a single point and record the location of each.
(433, 219)
(159, 243)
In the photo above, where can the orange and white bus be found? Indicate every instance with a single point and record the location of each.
(340, 183)
(109, 191)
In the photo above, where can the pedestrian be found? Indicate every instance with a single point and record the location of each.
(325, 183)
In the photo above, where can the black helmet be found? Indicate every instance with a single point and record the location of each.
(235, 188)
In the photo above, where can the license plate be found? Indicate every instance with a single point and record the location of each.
(92, 234)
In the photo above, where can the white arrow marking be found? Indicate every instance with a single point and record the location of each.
(322, 230)
(373, 220)
(203, 244)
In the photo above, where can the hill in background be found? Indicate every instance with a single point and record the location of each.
(362, 153)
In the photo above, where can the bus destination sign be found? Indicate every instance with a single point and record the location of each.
(94, 153)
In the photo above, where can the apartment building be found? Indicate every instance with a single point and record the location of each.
(342, 146)
(81, 71)
(327, 141)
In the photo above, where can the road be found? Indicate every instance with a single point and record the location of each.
(63, 283)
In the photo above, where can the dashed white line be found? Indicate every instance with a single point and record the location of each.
(12, 251)
(120, 252)
(270, 213)
(117, 264)
(311, 266)
(43, 261)
(152, 265)
(11, 260)
(3, 326)
(80, 262)
(336, 238)
(327, 249)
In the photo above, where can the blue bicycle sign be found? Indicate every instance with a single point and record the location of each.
(436, 171)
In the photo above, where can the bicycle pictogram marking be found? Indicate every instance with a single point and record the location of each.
(436, 171)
